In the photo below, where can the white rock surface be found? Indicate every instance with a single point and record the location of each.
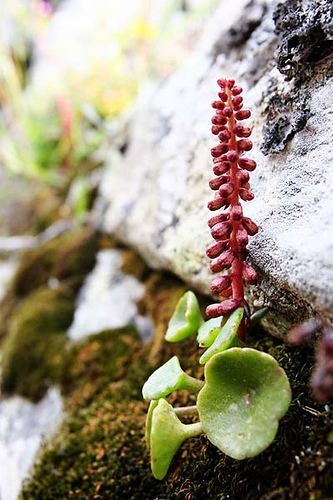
(23, 426)
(154, 196)
(108, 299)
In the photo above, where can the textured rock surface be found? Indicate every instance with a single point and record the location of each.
(23, 426)
(155, 191)
(108, 299)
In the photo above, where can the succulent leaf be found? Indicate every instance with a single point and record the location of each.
(208, 332)
(151, 408)
(168, 378)
(226, 338)
(185, 320)
(167, 435)
(245, 395)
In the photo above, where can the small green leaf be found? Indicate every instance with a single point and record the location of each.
(208, 332)
(245, 395)
(185, 320)
(226, 338)
(168, 378)
(167, 435)
(151, 408)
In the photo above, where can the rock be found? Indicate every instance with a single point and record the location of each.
(108, 299)
(154, 194)
(23, 426)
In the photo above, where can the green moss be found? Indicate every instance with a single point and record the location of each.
(32, 356)
(67, 258)
(110, 360)
(72, 253)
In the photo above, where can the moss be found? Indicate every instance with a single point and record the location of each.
(67, 258)
(32, 357)
(72, 253)
(100, 452)
(110, 360)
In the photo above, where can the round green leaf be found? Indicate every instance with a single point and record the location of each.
(168, 378)
(185, 320)
(245, 394)
(226, 337)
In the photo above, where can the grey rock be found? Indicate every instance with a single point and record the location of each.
(23, 427)
(154, 195)
(108, 299)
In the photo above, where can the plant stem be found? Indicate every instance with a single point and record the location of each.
(191, 384)
(186, 410)
(193, 430)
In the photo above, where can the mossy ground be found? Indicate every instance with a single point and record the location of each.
(100, 452)
(38, 309)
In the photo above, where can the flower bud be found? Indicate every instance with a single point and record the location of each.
(249, 274)
(226, 190)
(242, 236)
(236, 213)
(221, 230)
(219, 284)
(224, 136)
(232, 156)
(243, 177)
(243, 114)
(216, 204)
(221, 168)
(236, 90)
(216, 129)
(244, 145)
(219, 150)
(237, 100)
(227, 112)
(245, 194)
(223, 96)
(225, 307)
(250, 226)
(215, 183)
(218, 105)
(227, 292)
(241, 131)
(218, 218)
(230, 83)
(216, 248)
(223, 261)
(247, 164)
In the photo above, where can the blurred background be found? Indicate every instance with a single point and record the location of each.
(68, 70)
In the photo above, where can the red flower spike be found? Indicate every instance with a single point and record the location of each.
(230, 228)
